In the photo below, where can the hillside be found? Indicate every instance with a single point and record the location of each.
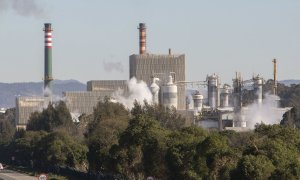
(9, 91)
(288, 82)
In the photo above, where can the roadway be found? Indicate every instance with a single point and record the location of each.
(7, 174)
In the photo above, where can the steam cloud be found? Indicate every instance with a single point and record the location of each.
(138, 91)
(22, 7)
(111, 66)
(267, 112)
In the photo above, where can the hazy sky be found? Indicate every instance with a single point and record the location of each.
(92, 37)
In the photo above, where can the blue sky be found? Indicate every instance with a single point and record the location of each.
(216, 36)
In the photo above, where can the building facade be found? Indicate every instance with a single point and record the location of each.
(144, 66)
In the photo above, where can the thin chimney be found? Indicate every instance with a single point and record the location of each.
(48, 60)
(142, 32)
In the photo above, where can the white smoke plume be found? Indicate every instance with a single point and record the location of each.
(267, 112)
(113, 66)
(137, 90)
(47, 91)
(23, 7)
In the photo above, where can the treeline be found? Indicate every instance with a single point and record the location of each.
(150, 141)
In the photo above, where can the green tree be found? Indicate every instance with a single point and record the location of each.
(168, 118)
(181, 153)
(7, 127)
(53, 117)
(254, 167)
(281, 145)
(59, 148)
(25, 144)
(108, 121)
(291, 118)
(141, 149)
(219, 157)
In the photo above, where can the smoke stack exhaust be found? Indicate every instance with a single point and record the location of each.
(142, 32)
(48, 60)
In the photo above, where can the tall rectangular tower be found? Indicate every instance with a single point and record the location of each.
(144, 66)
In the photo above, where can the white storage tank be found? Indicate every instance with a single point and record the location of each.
(169, 94)
(225, 95)
(212, 91)
(198, 103)
(154, 88)
(258, 83)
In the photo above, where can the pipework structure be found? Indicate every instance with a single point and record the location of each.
(48, 60)
(142, 32)
(237, 91)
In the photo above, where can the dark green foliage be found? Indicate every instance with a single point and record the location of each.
(58, 148)
(291, 118)
(281, 145)
(25, 144)
(141, 149)
(107, 122)
(168, 118)
(182, 152)
(51, 118)
(254, 167)
(218, 156)
(47, 149)
(7, 129)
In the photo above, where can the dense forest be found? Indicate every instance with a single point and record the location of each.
(153, 141)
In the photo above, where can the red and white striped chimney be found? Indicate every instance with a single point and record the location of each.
(48, 35)
(142, 30)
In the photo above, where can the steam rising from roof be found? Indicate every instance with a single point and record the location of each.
(113, 66)
(23, 7)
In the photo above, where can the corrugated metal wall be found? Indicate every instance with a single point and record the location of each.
(144, 66)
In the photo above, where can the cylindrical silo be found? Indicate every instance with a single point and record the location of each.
(169, 94)
(258, 83)
(212, 92)
(198, 103)
(237, 92)
(225, 96)
(154, 88)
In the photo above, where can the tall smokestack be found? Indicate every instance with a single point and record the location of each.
(142, 30)
(48, 60)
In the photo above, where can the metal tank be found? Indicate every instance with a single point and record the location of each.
(237, 92)
(154, 88)
(258, 83)
(198, 103)
(169, 94)
(225, 95)
(212, 92)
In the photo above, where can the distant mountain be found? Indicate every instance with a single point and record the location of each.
(9, 91)
(288, 82)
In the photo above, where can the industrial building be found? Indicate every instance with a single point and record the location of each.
(144, 66)
(25, 106)
(85, 101)
(220, 108)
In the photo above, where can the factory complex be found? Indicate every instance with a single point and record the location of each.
(219, 107)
